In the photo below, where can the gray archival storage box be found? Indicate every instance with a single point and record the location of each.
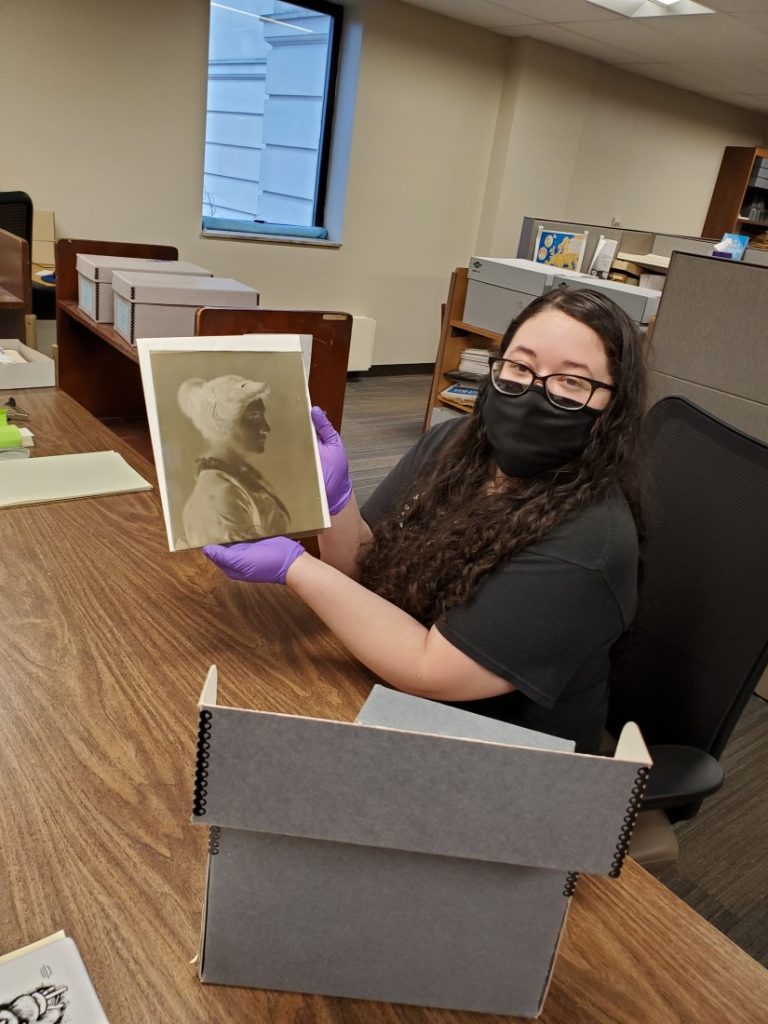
(499, 289)
(421, 854)
(640, 304)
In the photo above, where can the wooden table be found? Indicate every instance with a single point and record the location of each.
(104, 644)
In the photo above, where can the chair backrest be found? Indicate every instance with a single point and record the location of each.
(700, 639)
(16, 215)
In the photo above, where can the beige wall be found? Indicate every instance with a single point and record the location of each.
(458, 134)
(650, 154)
(545, 103)
(108, 129)
(583, 141)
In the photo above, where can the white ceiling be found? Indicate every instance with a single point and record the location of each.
(723, 55)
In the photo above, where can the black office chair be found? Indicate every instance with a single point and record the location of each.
(16, 216)
(699, 643)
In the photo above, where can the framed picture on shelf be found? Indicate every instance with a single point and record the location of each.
(561, 249)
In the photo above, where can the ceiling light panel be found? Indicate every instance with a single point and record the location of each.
(652, 8)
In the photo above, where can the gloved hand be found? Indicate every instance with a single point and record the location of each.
(333, 461)
(261, 561)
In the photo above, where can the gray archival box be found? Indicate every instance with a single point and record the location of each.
(421, 854)
(499, 289)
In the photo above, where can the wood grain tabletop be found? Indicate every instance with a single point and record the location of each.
(105, 640)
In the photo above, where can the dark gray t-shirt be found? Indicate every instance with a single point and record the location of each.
(544, 619)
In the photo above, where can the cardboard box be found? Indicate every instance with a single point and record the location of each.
(94, 279)
(155, 306)
(39, 371)
(43, 238)
(420, 855)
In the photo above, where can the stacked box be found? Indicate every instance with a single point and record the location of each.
(94, 279)
(164, 306)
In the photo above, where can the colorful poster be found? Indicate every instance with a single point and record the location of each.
(561, 249)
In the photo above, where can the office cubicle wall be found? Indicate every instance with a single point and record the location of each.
(630, 241)
(709, 340)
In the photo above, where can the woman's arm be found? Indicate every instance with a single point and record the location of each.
(342, 545)
(389, 641)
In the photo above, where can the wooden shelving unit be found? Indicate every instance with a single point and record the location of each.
(100, 370)
(735, 190)
(96, 366)
(455, 336)
(15, 286)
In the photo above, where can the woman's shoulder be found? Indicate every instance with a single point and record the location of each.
(435, 437)
(596, 536)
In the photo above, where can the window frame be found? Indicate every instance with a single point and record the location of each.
(276, 232)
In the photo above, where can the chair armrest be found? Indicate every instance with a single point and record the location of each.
(679, 775)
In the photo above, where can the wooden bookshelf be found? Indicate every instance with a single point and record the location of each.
(100, 370)
(735, 189)
(455, 336)
(97, 367)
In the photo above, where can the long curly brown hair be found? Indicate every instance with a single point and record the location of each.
(432, 555)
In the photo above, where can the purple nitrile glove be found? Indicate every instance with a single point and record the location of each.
(333, 462)
(261, 561)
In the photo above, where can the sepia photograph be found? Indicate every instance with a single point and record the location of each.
(232, 437)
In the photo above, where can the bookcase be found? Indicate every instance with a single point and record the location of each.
(741, 186)
(455, 336)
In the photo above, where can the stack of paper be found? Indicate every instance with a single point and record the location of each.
(474, 361)
(10, 355)
(58, 477)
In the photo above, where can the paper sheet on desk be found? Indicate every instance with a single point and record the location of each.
(61, 477)
(647, 259)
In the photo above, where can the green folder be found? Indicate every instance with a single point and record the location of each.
(10, 435)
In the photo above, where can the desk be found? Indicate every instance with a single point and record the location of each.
(104, 646)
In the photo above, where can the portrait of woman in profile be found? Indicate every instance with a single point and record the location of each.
(231, 499)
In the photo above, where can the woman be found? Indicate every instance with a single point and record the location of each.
(497, 563)
(231, 499)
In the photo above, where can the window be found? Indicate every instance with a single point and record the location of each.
(271, 83)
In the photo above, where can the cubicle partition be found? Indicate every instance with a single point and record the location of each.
(708, 344)
(708, 341)
(631, 242)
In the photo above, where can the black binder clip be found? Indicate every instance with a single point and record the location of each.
(14, 410)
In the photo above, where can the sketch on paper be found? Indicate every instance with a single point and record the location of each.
(232, 436)
(43, 1005)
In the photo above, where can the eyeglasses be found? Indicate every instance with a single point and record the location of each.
(563, 390)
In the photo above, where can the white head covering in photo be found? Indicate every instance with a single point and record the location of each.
(215, 406)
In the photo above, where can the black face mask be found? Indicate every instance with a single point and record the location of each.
(528, 435)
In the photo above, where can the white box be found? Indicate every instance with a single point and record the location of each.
(39, 371)
(94, 279)
(164, 306)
